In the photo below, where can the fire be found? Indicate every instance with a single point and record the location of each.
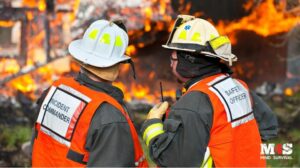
(151, 75)
(75, 7)
(142, 93)
(163, 6)
(148, 15)
(9, 66)
(24, 84)
(40, 4)
(266, 19)
(6, 23)
(288, 92)
(40, 78)
(124, 68)
(131, 50)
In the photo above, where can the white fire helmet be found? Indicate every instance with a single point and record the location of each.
(197, 35)
(103, 45)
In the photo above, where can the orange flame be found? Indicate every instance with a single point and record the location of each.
(131, 50)
(124, 68)
(266, 19)
(29, 83)
(248, 5)
(40, 4)
(9, 66)
(75, 5)
(24, 83)
(142, 93)
(148, 15)
(6, 23)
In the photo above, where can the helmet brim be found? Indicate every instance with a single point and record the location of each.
(206, 53)
(90, 58)
(178, 48)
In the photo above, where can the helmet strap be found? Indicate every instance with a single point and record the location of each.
(192, 59)
(132, 67)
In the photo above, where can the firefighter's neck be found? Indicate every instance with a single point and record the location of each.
(97, 79)
(94, 77)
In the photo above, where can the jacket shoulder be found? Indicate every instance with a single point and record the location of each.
(195, 102)
(107, 114)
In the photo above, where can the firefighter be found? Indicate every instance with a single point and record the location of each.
(218, 121)
(83, 121)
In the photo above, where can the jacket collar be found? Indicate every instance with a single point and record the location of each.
(100, 86)
(193, 81)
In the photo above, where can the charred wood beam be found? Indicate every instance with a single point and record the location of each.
(50, 9)
(50, 6)
(8, 56)
(23, 47)
(18, 14)
(15, 14)
(47, 37)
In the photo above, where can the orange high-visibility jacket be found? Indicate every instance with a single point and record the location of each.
(63, 124)
(234, 136)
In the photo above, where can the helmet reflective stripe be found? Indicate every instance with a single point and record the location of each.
(182, 35)
(103, 45)
(105, 38)
(196, 37)
(222, 49)
(93, 34)
(212, 36)
(118, 41)
(219, 41)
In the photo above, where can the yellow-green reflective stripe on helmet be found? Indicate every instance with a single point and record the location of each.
(118, 42)
(182, 35)
(196, 37)
(219, 41)
(212, 36)
(105, 38)
(93, 34)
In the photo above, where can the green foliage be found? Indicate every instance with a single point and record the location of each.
(13, 137)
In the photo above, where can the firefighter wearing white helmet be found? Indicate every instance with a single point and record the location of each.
(83, 121)
(199, 36)
(218, 122)
(101, 49)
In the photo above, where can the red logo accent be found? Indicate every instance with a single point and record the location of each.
(278, 149)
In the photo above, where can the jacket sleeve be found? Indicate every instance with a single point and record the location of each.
(180, 140)
(266, 119)
(109, 139)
